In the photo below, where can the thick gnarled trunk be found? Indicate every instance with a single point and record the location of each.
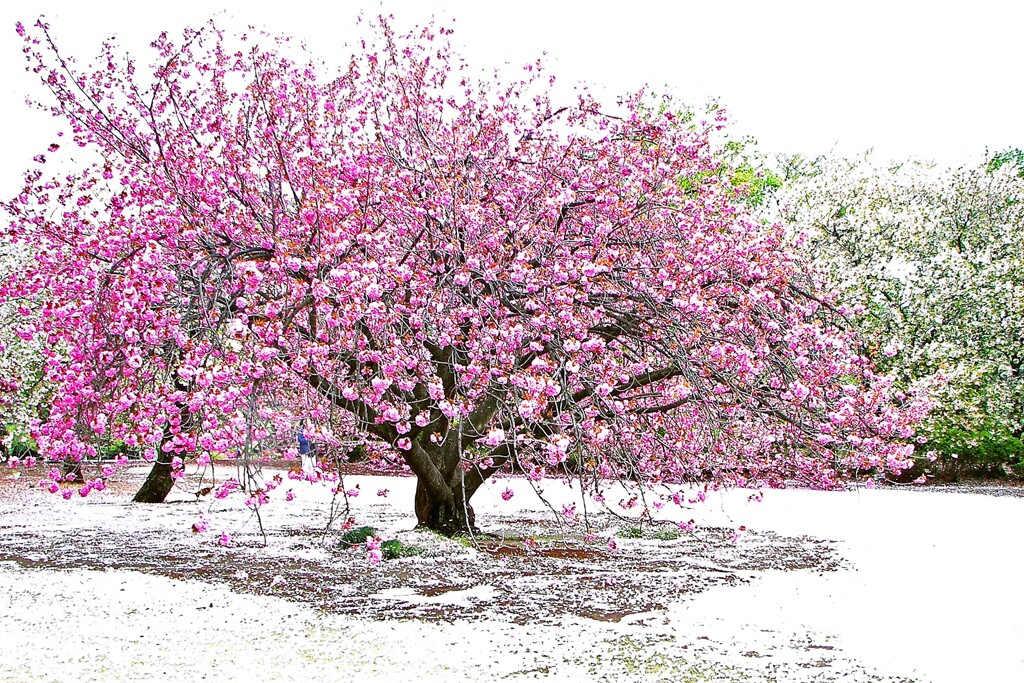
(444, 490)
(447, 515)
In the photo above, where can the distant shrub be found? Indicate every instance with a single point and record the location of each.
(21, 445)
(115, 449)
(990, 453)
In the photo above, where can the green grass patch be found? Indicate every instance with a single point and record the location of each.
(357, 536)
(660, 534)
(394, 549)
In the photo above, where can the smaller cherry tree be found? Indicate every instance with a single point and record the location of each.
(453, 271)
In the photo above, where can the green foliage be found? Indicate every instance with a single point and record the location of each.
(22, 445)
(655, 534)
(667, 534)
(394, 549)
(743, 167)
(691, 183)
(114, 449)
(389, 550)
(684, 113)
(1014, 157)
(989, 452)
(357, 536)
(462, 539)
(756, 184)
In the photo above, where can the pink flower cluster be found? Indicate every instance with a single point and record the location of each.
(459, 282)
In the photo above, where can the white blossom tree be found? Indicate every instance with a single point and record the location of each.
(932, 262)
(22, 389)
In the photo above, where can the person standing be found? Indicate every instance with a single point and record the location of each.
(305, 447)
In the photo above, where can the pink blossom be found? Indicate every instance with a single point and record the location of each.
(225, 488)
(545, 288)
(373, 547)
(435, 391)
(494, 437)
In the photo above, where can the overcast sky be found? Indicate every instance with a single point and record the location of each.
(923, 79)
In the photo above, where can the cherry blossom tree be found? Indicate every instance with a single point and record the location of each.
(449, 269)
(933, 257)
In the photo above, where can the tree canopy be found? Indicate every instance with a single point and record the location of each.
(455, 271)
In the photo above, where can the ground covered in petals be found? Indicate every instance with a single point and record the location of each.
(802, 586)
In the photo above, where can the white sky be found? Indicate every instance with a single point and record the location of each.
(924, 79)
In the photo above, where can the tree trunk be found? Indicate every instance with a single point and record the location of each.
(448, 516)
(72, 472)
(159, 482)
(444, 489)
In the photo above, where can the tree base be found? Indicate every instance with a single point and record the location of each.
(157, 485)
(444, 517)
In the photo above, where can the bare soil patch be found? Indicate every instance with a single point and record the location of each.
(527, 568)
